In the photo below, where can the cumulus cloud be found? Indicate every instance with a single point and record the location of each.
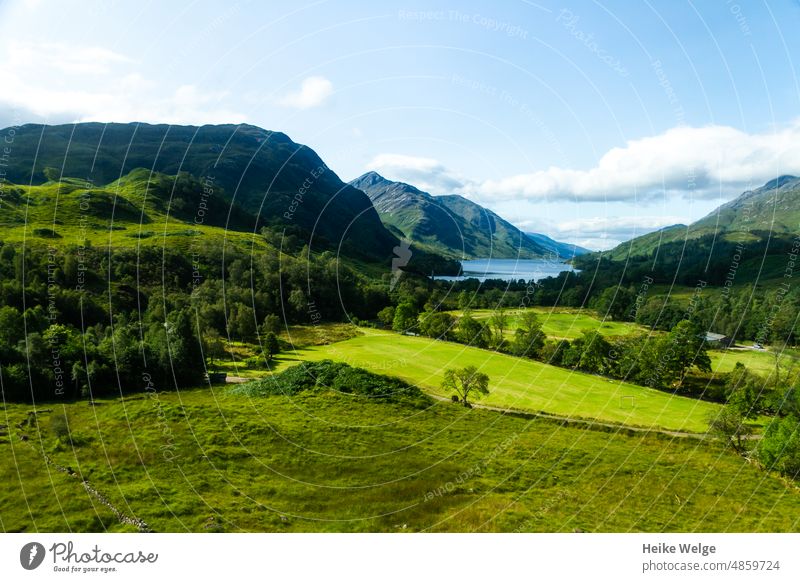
(313, 92)
(700, 161)
(689, 162)
(56, 82)
(602, 232)
(58, 57)
(427, 174)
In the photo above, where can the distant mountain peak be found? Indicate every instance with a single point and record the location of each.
(778, 182)
(452, 224)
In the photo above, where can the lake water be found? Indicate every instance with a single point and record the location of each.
(509, 269)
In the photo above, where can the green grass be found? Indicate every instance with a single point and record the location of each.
(330, 462)
(759, 361)
(515, 382)
(562, 323)
(119, 215)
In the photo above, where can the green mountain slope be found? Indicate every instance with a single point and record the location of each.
(141, 208)
(264, 173)
(563, 250)
(771, 210)
(450, 225)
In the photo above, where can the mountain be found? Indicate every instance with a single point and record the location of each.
(773, 210)
(451, 225)
(262, 174)
(143, 208)
(560, 249)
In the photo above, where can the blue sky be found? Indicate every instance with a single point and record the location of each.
(588, 121)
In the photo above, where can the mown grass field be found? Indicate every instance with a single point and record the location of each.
(759, 361)
(206, 460)
(515, 382)
(562, 323)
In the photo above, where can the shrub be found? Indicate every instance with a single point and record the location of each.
(779, 450)
(336, 376)
(59, 426)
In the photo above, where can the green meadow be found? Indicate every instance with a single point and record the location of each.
(562, 323)
(206, 460)
(140, 209)
(760, 361)
(515, 383)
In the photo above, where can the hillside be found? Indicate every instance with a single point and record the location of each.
(755, 215)
(325, 460)
(141, 208)
(450, 225)
(265, 173)
(563, 250)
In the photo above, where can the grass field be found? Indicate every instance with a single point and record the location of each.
(515, 382)
(759, 361)
(73, 211)
(563, 323)
(203, 460)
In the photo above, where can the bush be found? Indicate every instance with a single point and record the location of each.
(779, 450)
(59, 426)
(46, 233)
(328, 375)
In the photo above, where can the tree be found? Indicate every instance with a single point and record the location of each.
(553, 351)
(593, 352)
(272, 323)
(743, 389)
(615, 302)
(215, 347)
(779, 449)
(405, 317)
(436, 324)
(466, 381)
(11, 327)
(499, 322)
(464, 301)
(729, 425)
(386, 316)
(271, 345)
(529, 337)
(684, 348)
(472, 332)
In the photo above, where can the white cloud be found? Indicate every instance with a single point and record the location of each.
(63, 83)
(699, 161)
(427, 174)
(600, 232)
(60, 58)
(603, 226)
(688, 162)
(314, 91)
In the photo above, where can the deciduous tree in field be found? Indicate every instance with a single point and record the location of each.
(405, 317)
(472, 332)
(386, 316)
(729, 425)
(529, 338)
(499, 322)
(465, 382)
(271, 345)
(683, 348)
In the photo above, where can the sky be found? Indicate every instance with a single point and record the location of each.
(591, 122)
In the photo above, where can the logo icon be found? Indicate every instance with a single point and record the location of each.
(31, 555)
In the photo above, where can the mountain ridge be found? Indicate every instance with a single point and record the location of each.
(449, 224)
(754, 215)
(278, 181)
